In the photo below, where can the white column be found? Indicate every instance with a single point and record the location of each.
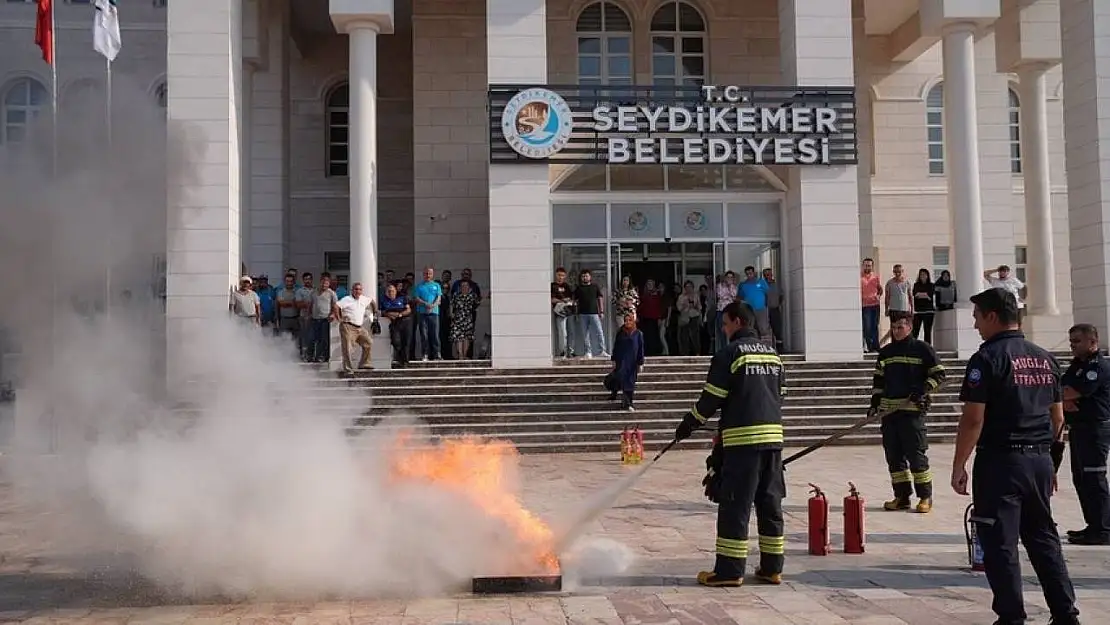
(961, 156)
(363, 118)
(519, 206)
(1041, 272)
(1084, 28)
(205, 66)
(822, 205)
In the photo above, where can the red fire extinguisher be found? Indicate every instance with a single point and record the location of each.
(638, 443)
(818, 522)
(974, 549)
(853, 521)
(626, 446)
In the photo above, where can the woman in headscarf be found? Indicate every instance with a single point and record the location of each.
(628, 361)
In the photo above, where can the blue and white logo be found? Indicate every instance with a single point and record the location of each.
(974, 375)
(537, 123)
(1092, 375)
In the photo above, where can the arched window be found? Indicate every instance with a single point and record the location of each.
(23, 100)
(1015, 132)
(161, 93)
(934, 125)
(338, 135)
(678, 45)
(604, 45)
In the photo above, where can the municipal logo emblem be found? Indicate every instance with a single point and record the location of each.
(974, 375)
(695, 220)
(1092, 375)
(637, 222)
(537, 123)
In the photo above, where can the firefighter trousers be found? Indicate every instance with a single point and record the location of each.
(906, 445)
(750, 477)
(1011, 491)
(1090, 446)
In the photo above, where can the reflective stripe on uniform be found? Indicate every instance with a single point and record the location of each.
(901, 404)
(715, 391)
(732, 547)
(772, 545)
(901, 477)
(901, 360)
(752, 435)
(755, 359)
(697, 415)
(923, 477)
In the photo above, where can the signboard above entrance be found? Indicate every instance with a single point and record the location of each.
(690, 125)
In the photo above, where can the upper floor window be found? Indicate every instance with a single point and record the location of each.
(934, 126)
(604, 45)
(678, 45)
(23, 100)
(1021, 262)
(1015, 132)
(338, 135)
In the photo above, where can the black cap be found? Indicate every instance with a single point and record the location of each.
(998, 301)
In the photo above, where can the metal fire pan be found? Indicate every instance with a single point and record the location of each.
(516, 584)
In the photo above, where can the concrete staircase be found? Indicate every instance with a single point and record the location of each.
(565, 407)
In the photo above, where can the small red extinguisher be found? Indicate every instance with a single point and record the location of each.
(853, 521)
(626, 446)
(974, 549)
(638, 443)
(818, 523)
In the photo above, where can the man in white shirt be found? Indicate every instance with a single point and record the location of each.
(245, 304)
(354, 326)
(1002, 278)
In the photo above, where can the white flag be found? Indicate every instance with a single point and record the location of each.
(106, 38)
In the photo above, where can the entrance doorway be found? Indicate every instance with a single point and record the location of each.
(669, 264)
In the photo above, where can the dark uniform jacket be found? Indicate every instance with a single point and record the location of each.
(903, 369)
(1018, 382)
(746, 383)
(1091, 379)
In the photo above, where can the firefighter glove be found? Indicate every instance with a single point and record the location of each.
(1057, 453)
(712, 484)
(686, 427)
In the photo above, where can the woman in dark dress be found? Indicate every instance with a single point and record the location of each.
(628, 361)
(923, 311)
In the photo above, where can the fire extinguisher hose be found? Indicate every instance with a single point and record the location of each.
(868, 420)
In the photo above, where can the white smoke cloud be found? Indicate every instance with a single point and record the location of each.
(227, 478)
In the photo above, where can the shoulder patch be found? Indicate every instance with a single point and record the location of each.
(974, 376)
(1092, 375)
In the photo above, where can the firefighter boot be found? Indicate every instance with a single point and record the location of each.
(898, 503)
(768, 578)
(924, 505)
(712, 580)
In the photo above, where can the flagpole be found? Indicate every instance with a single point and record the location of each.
(54, 90)
(108, 263)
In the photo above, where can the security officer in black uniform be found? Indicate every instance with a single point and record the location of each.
(1087, 413)
(906, 371)
(745, 383)
(1011, 417)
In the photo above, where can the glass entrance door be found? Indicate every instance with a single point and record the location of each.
(576, 258)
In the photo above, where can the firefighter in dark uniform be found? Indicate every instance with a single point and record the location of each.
(1087, 413)
(745, 383)
(1012, 416)
(906, 371)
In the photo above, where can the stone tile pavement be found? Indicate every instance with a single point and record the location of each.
(914, 571)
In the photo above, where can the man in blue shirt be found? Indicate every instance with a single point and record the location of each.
(266, 297)
(753, 290)
(427, 296)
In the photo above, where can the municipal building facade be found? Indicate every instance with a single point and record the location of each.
(365, 135)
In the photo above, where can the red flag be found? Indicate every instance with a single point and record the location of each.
(44, 30)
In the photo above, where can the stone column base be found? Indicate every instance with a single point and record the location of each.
(954, 331)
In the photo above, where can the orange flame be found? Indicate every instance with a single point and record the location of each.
(476, 469)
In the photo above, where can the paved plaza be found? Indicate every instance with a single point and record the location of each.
(914, 571)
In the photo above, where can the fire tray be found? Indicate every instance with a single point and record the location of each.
(517, 584)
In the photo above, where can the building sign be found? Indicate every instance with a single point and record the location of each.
(621, 125)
